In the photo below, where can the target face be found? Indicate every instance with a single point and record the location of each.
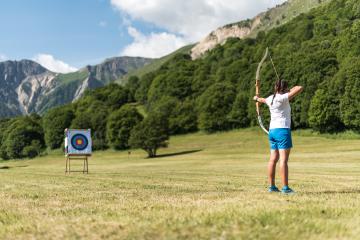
(79, 142)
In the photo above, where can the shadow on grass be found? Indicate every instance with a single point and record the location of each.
(178, 153)
(7, 167)
(345, 191)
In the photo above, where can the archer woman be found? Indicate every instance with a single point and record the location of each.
(280, 132)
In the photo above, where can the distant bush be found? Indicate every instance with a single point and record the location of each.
(23, 137)
(32, 150)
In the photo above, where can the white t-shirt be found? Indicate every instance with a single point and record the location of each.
(280, 111)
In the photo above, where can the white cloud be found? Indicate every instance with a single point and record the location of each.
(186, 21)
(55, 65)
(3, 57)
(153, 45)
(193, 19)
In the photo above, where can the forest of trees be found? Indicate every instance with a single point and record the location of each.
(319, 50)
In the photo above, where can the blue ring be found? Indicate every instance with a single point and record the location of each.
(83, 145)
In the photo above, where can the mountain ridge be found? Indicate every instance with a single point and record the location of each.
(28, 87)
(264, 21)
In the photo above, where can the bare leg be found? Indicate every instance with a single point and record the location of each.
(284, 171)
(274, 157)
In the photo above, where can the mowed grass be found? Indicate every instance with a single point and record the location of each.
(202, 187)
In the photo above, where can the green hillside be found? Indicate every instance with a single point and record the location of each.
(284, 13)
(202, 187)
(154, 65)
(75, 76)
(319, 50)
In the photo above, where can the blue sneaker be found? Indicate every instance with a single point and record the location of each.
(273, 189)
(287, 190)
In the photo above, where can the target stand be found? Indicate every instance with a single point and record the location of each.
(79, 158)
(78, 146)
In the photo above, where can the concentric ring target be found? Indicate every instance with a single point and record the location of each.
(79, 142)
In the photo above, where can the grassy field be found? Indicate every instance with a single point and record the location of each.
(202, 187)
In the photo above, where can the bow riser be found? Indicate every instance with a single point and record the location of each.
(257, 91)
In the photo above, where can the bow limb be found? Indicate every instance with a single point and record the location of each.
(257, 90)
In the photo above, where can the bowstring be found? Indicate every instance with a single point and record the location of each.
(272, 62)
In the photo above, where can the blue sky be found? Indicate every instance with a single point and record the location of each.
(80, 32)
(76, 31)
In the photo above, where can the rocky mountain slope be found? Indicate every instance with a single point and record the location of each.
(249, 28)
(27, 87)
(21, 84)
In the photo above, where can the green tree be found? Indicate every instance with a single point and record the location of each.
(183, 118)
(181, 114)
(238, 117)
(55, 122)
(324, 113)
(214, 105)
(21, 133)
(4, 125)
(132, 85)
(112, 95)
(119, 126)
(145, 83)
(350, 100)
(150, 134)
(95, 118)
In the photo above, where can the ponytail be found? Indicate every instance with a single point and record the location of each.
(272, 101)
(280, 87)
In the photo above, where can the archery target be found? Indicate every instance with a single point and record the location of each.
(78, 142)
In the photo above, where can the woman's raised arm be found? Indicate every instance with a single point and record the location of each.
(295, 91)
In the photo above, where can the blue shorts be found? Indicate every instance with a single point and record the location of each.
(280, 138)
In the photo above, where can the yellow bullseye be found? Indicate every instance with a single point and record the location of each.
(79, 141)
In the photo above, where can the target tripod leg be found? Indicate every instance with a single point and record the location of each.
(87, 165)
(66, 165)
(84, 165)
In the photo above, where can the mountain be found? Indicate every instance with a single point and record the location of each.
(265, 21)
(28, 87)
(113, 68)
(155, 64)
(21, 85)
